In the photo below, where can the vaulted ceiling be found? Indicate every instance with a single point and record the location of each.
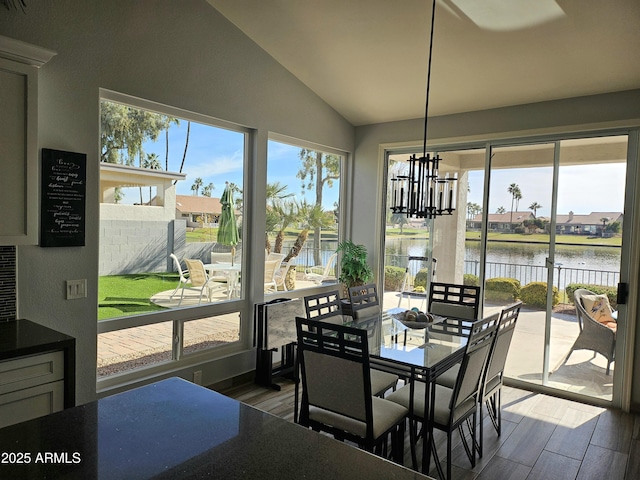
(368, 58)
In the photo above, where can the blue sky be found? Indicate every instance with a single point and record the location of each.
(216, 155)
(581, 188)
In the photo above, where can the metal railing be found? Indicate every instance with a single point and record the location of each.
(537, 273)
(527, 273)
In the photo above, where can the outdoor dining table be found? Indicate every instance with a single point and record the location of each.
(232, 271)
(443, 347)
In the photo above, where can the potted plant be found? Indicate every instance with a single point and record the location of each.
(354, 269)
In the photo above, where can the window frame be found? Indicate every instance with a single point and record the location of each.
(184, 314)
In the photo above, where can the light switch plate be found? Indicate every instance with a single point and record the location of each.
(76, 289)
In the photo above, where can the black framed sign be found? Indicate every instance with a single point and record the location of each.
(63, 198)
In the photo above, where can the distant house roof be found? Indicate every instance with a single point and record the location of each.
(508, 217)
(593, 218)
(195, 204)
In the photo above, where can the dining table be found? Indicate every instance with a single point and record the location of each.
(231, 272)
(442, 346)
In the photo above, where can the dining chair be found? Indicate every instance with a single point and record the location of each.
(336, 388)
(364, 301)
(494, 371)
(199, 280)
(454, 300)
(493, 378)
(327, 307)
(447, 409)
(183, 277)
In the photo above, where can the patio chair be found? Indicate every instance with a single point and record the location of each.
(183, 281)
(336, 388)
(319, 273)
(281, 271)
(449, 408)
(364, 301)
(270, 269)
(199, 280)
(596, 335)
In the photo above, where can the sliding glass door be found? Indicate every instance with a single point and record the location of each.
(535, 222)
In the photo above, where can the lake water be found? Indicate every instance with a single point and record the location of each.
(583, 264)
(573, 264)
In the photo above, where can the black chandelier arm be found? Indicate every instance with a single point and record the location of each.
(426, 103)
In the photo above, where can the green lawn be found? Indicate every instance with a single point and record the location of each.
(541, 238)
(122, 295)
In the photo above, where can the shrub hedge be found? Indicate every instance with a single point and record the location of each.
(393, 277)
(502, 289)
(471, 280)
(534, 294)
(421, 278)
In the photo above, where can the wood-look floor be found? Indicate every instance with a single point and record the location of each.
(543, 437)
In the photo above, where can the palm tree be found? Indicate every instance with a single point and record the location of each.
(513, 189)
(206, 191)
(277, 214)
(197, 183)
(501, 210)
(518, 197)
(311, 216)
(152, 163)
(604, 221)
(535, 206)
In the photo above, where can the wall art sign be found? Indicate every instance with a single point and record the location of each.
(63, 198)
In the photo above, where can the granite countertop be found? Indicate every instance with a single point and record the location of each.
(174, 429)
(24, 337)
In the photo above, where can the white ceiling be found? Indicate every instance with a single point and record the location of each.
(368, 58)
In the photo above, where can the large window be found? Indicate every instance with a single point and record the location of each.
(303, 213)
(171, 210)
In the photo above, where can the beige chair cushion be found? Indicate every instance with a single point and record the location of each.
(382, 381)
(452, 310)
(448, 378)
(441, 406)
(385, 415)
(367, 312)
(598, 308)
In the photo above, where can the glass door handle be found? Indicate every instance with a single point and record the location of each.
(623, 292)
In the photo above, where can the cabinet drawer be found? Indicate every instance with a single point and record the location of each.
(25, 372)
(16, 407)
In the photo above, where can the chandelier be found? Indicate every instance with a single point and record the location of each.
(422, 193)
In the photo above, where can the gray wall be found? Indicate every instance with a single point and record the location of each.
(134, 246)
(179, 53)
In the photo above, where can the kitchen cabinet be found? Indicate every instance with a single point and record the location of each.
(19, 64)
(37, 371)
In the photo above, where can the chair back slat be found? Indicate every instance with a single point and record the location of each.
(364, 300)
(451, 297)
(325, 307)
